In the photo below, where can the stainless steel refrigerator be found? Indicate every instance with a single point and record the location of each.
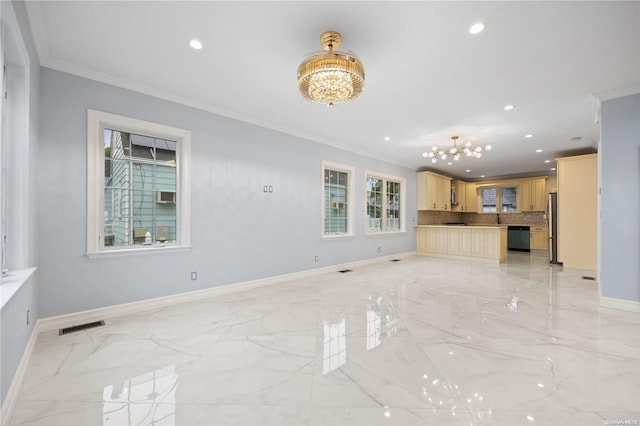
(552, 219)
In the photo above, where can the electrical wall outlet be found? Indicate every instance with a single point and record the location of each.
(194, 276)
(316, 259)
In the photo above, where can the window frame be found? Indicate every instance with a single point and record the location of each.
(97, 121)
(351, 171)
(403, 195)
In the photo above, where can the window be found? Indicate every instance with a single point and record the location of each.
(385, 202)
(337, 211)
(16, 175)
(138, 192)
(489, 200)
(509, 199)
(500, 199)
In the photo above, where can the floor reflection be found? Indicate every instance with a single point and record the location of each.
(335, 343)
(148, 399)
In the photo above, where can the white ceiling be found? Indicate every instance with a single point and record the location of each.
(427, 78)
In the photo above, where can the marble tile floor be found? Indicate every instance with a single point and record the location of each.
(422, 341)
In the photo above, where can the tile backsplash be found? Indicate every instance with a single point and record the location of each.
(438, 218)
(529, 218)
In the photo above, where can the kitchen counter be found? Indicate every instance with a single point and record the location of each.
(476, 242)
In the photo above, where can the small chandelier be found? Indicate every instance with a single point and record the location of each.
(455, 152)
(329, 76)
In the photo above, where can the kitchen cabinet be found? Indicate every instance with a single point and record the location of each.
(471, 199)
(434, 192)
(453, 241)
(477, 242)
(578, 211)
(538, 236)
(432, 240)
(421, 240)
(486, 243)
(442, 240)
(464, 243)
(460, 189)
(532, 195)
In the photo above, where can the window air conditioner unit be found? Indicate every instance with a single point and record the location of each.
(165, 197)
(337, 205)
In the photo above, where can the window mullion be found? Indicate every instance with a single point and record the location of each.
(384, 206)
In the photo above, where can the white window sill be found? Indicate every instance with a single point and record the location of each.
(137, 251)
(369, 234)
(12, 283)
(337, 237)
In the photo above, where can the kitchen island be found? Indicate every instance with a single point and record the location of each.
(482, 243)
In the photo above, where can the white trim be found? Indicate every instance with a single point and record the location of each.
(18, 195)
(403, 191)
(351, 197)
(67, 320)
(137, 251)
(10, 284)
(620, 304)
(617, 93)
(18, 378)
(97, 121)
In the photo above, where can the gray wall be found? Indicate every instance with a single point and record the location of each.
(620, 201)
(239, 233)
(14, 329)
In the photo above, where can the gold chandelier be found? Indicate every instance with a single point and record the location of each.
(455, 153)
(330, 76)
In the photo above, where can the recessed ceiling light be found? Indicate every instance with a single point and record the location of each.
(448, 164)
(547, 161)
(387, 138)
(481, 175)
(553, 168)
(538, 150)
(467, 170)
(528, 136)
(509, 107)
(478, 27)
(196, 44)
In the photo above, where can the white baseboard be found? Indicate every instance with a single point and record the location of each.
(11, 398)
(620, 304)
(82, 317)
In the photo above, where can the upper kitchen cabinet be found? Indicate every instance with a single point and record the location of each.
(459, 196)
(434, 192)
(471, 200)
(533, 195)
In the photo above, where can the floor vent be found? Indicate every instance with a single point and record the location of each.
(80, 327)
(584, 277)
(344, 271)
(396, 260)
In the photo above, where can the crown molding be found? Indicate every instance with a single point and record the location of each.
(607, 95)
